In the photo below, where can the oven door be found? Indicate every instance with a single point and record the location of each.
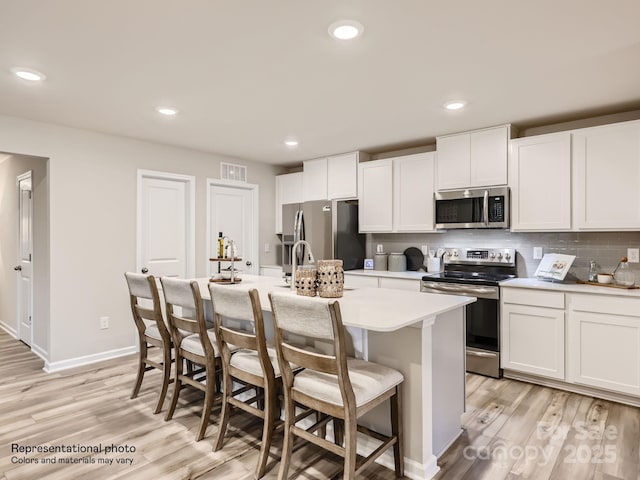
(483, 324)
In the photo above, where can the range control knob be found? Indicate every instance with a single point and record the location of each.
(507, 257)
(499, 256)
(455, 253)
(492, 255)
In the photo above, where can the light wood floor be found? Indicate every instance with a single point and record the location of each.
(91, 406)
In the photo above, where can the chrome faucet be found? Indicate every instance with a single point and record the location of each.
(294, 260)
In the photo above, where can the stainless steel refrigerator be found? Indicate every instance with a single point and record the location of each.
(331, 229)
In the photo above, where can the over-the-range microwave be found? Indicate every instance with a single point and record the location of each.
(473, 208)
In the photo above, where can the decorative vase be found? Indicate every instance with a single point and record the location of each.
(306, 281)
(330, 278)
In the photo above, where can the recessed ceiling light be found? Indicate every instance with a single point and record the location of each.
(455, 105)
(28, 74)
(168, 111)
(345, 29)
(291, 143)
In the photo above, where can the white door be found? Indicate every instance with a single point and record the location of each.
(233, 210)
(25, 251)
(166, 224)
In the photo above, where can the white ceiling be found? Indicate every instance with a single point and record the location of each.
(246, 74)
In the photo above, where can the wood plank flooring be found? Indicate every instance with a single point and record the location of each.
(513, 431)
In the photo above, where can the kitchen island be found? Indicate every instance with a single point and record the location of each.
(419, 334)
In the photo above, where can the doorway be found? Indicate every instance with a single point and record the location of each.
(166, 224)
(232, 208)
(24, 265)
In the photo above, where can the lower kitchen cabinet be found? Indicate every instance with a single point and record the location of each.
(604, 342)
(360, 281)
(400, 284)
(532, 332)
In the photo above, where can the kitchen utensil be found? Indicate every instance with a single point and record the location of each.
(623, 274)
(434, 265)
(415, 258)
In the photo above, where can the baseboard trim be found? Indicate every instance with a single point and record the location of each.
(41, 352)
(412, 468)
(50, 367)
(575, 388)
(11, 331)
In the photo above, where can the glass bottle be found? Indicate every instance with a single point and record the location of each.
(623, 274)
(593, 271)
(220, 245)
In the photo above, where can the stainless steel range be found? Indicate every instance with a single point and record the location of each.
(476, 272)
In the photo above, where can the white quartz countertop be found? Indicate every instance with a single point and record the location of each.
(410, 275)
(569, 287)
(377, 309)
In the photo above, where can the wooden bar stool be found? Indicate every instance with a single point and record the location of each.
(192, 342)
(339, 387)
(152, 331)
(253, 365)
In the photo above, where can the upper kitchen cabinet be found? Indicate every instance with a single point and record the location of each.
(473, 159)
(396, 194)
(606, 177)
(540, 182)
(334, 177)
(288, 190)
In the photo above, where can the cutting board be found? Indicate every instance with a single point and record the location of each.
(610, 285)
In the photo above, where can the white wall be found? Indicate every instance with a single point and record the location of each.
(92, 212)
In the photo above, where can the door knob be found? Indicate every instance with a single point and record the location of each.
(17, 268)
(248, 263)
(144, 270)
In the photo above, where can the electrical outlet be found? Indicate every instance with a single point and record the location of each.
(537, 253)
(633, 255)
(104, 323)
(379, 248)
(267, 248)
(425, 249)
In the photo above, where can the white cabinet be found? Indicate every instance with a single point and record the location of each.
(604, 342)
(606, 162)
(413, 192)
(473, 159)
(314, 180)
(540, 182)
(375, 196)
(288, 190)
(359, 281)
(400, 284)
(533, 332)
(396, 194)
(331, 178)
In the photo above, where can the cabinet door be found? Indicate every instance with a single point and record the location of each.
(606, 177)
(375, 195)
(540, 181)
(488, 152)
(314, 180)
(604, 342)
(454, 155)
(342, 176)
(288, 190)
(533, 340)
(400, 284)
(413, 192)
(360, 281)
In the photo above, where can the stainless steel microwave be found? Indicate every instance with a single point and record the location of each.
(473, 208)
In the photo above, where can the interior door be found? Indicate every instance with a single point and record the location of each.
(233, 211)
(25, 252)
(166, 228)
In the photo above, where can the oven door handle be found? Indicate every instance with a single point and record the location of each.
(458, 289)
(481, 354)
(486, 208)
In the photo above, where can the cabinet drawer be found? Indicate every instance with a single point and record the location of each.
(400, 284)
(539, 298)
(360, 281)
(611, 305)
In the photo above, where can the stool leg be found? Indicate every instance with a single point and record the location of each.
(166, 374)
(338, 431)
(177, 386)
(350, 443)
(267, 430)
(226, 410)
(208, 401)
(287, 447)
(141, 367)
(396, 431)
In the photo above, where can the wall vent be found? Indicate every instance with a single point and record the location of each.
(230, 171)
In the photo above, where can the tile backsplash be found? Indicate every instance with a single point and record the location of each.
(605, 248)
